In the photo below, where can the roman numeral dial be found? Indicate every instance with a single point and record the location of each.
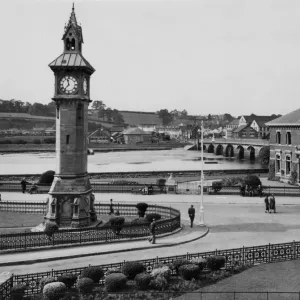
(68, 85)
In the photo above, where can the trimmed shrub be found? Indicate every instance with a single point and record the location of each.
(215, 263)
(161, 271)
(47, 177)
(188, 272)
(200, 262)
(46, 280)
(177, 263)
(152, 216)
(94, 273)
(142, 207)
(115, 282)
(50, 228)
(143, 280)
(85, 285)
(49, 140)
(36, 141)
(68, 279)
(112, 271)
(217, 186)
(132, 268)
(116, 223)
(252, 180)
(17, 292)
(159, 283)
(54, 291)
(140, 221)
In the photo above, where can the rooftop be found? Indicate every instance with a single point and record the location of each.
(292, 118)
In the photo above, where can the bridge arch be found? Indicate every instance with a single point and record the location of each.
(240, 152)
(229, 151)
(211, 148)
(251, 150)
(219, 150)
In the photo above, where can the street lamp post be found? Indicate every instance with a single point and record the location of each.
(202, 178)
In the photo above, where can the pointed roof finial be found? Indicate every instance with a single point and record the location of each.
(73, 7)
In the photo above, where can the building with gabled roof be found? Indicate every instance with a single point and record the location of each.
(135, 135)
(285, 147)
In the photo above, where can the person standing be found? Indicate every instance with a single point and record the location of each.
(191, 213)
(272, 204)
(267, 204)
(23, 185)
(111, 208)
(152, 239)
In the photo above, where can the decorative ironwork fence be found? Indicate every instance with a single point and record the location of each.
(244, 255)
(170, 221)
(189, 188)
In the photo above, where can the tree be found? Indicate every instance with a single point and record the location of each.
(117, 117)
(184, 113)
(209, 117)
(99, 107)
(228, 117)
(165, 116)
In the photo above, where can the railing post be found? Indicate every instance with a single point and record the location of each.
(294, 250)
(269, 255)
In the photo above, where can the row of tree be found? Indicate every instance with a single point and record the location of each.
(106, 113)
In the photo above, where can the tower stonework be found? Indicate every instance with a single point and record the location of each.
(71, 202)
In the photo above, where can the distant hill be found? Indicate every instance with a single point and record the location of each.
(140, 118)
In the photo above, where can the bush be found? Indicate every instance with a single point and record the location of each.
(46, 280)
(217, 186)
(85, 285)
(17, 292)
(161, 182)
(94, 273)
(116, 223)
(187, 272)
(54, 291)
(140, 221)
(252, 180)
(264, 155)
(36, 141)
(143, 280)
(161, 271)
(47, 177)
(112, 271)
(142, 207)
(177, 263)
(6, 142)
(115, 282)
(200, 262)
(49, 140)
(22, 142)
(50, 228)
(159, 283)
(132, 268)
(215, 263)
(152, 216)
(68, 279)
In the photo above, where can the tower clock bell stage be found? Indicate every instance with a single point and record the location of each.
(71, 202)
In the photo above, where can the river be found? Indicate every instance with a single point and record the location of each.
(129, 161)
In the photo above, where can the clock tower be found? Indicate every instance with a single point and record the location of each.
(71, 202)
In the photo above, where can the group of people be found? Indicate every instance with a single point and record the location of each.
(270, 204)
(32, 189)
(147, 190)
(248, 190)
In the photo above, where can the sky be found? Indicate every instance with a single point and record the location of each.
(205, 56)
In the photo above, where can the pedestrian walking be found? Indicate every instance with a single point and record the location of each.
(259, 190)
(23, 185)
(272, 204)
(191, 213)
(152, 239)
(111, 208)
(267, 204)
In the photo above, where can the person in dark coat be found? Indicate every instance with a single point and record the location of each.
(23, 185)
(191, 213)
(267, 204)
(111, 208)
(152, 239)
(272, 204)
(242, 190)
(260, 190)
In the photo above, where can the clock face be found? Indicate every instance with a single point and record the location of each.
(85, 87)
(68, 85)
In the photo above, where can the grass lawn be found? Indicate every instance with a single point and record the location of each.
(274, 277)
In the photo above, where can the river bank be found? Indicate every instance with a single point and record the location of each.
(33, 148)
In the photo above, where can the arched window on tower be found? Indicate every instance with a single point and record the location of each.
(68, 44)
(73, 44)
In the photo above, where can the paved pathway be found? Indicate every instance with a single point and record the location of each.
(231, 226)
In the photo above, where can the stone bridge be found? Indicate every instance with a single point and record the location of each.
(240, 148)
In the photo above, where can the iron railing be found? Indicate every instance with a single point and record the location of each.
(245, 255)
(182, 188)
(15, 241)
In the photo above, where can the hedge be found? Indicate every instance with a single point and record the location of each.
(68, 279)
(115, 282)
(46, 280)
(152, 216)
(94, 273)
(188, 272)
(143, 280)
(132, 268)
(85, 285)
(17, 292)
(54, 291)
(215, 263)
